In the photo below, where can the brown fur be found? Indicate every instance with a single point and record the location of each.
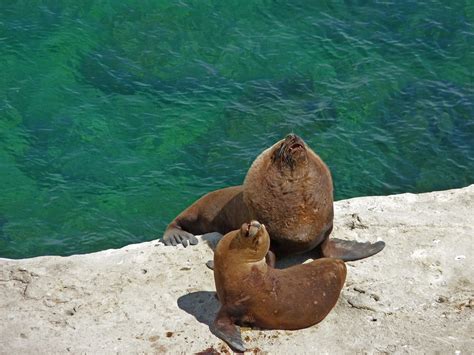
(252, 293)
(218, 211)
(290, 190)
(293, 199)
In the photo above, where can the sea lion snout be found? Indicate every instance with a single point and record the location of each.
(251, 229)
(292, 136)
(255, 224)
(290, 151)
(254, 228)
(293, 141)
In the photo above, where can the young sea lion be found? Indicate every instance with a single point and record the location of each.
(289, 189)
(255, 294)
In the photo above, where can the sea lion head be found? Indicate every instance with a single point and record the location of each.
(290, 152)
(253, 239)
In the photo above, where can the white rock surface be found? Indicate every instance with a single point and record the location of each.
(416, 296)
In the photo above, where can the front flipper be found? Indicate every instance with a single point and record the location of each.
(348, 250)
(217, 211)
(175, 236)
(225, 329)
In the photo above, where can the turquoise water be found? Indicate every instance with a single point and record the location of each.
(115, 115)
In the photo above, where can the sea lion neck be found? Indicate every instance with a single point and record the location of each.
(245, 252)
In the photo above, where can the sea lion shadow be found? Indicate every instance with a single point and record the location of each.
(287, 261)
(203, 305)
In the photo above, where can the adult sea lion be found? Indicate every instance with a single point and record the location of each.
(255, 294)
(289, 189)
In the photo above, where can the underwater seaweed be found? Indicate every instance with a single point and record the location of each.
(115, 115)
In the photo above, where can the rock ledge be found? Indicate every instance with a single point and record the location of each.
(415, 296)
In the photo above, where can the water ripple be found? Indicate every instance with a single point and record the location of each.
(114, 117)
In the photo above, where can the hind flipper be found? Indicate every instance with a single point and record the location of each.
(348, 250)
(225, 329)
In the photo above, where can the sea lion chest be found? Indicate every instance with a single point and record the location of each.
(297, 210)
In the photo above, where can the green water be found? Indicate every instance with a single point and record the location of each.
(115, 115)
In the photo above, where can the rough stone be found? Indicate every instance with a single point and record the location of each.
(416, 296)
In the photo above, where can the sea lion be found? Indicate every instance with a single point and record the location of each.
(289, 189)
(254, 294)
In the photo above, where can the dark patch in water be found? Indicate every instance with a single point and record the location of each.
(110, 72)
(3, 222)
(432, 130)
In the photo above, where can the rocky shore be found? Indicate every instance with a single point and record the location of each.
(416, 296)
